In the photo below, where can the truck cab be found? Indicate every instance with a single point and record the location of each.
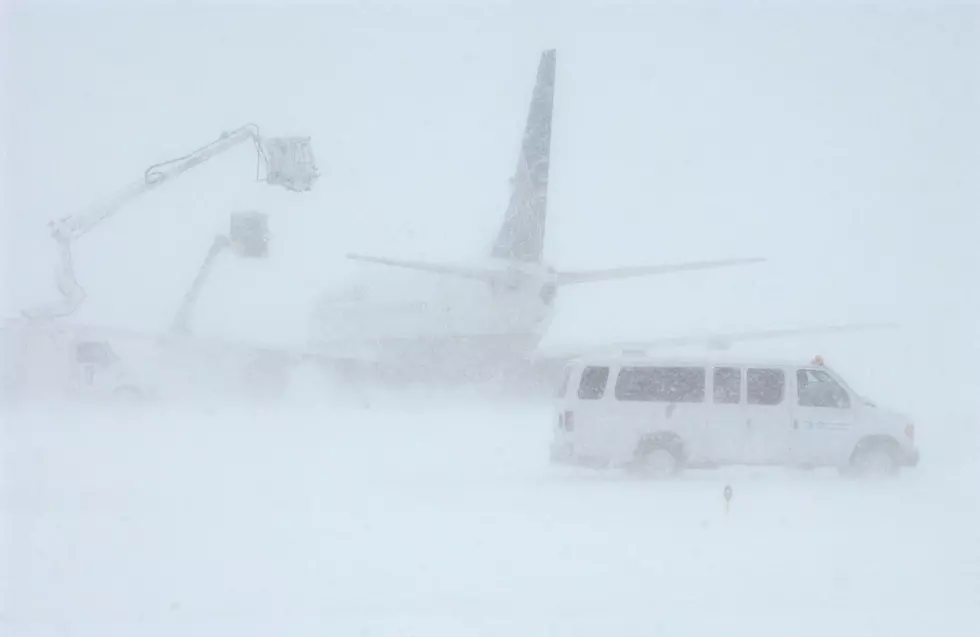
(55, 362)
(96, 369)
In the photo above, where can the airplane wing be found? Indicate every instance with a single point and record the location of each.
(545, 364)
(711, 341)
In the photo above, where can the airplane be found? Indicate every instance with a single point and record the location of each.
(493, 314)
(484, 320)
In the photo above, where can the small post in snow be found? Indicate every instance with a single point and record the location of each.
(728, 497)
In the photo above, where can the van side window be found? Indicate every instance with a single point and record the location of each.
(728, 385)
(817, 388)
(593, 383)
(661, 384)
(765, 386)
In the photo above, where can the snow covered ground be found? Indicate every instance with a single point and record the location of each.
(420, 517)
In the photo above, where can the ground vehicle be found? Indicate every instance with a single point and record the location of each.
(661, 415)
(40, 351)
(49, 360)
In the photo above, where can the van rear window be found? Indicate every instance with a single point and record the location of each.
(661, 384)
(593, 383)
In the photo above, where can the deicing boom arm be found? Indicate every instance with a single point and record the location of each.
(289, 163)
(69, 228)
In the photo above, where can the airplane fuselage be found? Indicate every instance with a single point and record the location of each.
(426, 321)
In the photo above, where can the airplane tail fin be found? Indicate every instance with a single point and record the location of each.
(521, 236)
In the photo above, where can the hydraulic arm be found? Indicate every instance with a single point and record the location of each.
(289, 163)
(248, 238)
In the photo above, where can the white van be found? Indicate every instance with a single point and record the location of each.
(661, 415)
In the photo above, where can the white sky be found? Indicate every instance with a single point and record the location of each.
(840, 140)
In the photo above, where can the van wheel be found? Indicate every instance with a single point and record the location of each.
(657, 460)
(874, 459)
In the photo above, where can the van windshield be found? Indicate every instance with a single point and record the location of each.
(850, 387)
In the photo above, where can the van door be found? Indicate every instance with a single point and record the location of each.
(823, 424)
(587, 419)
(725, 434)
(768, 416)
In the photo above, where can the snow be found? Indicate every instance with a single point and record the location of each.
(412, 519)
(841, 142)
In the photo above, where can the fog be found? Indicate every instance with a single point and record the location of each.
(839, 140)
